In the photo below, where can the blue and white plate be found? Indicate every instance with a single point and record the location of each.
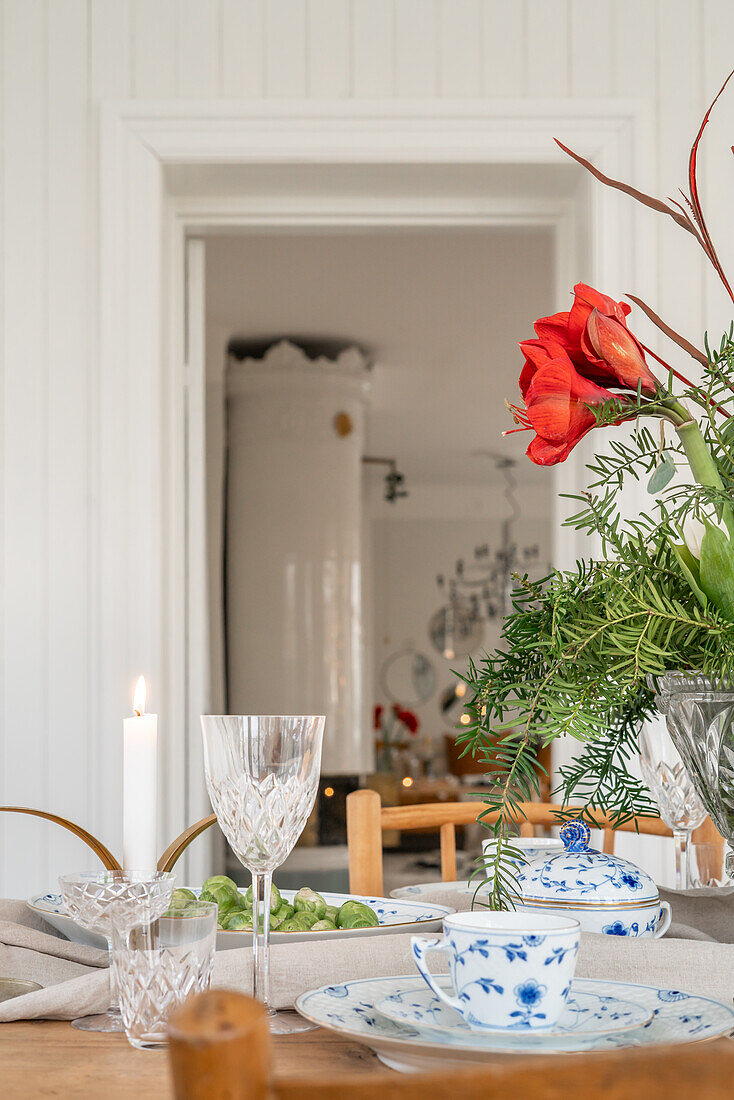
(414, 917)
(423, 891)
(585, 1013)
(351, 1010)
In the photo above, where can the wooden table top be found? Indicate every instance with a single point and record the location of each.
(41, 1059)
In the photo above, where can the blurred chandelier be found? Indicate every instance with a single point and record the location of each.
(481, 589)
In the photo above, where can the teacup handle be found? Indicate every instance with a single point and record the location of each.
(420, 949)
(664, 920)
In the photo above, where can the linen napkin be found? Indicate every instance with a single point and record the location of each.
(76, 982)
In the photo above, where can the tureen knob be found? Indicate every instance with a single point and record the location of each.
(575, 835)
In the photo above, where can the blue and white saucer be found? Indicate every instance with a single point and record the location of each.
(585, 1014)
(351, 1010)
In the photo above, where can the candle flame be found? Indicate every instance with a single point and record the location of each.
(139, 698)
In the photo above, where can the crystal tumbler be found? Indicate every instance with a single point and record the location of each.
(88, 898)
(158, 963)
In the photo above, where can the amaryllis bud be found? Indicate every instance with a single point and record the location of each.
(617, 347)
(694, 530)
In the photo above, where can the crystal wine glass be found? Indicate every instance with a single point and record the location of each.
(91, 897)
(262, 774)
(679, 805)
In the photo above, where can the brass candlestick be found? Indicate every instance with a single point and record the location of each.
(171, 855)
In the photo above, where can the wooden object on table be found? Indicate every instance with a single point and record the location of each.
(103, 854)
(367, 819)
(387, 786)
(204, 1057)
(219, 1048)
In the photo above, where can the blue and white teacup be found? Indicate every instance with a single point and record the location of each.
(511, 971)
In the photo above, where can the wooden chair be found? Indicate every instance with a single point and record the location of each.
(220, 1049)
(367, 819)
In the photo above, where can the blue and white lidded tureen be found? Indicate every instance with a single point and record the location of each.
(605, 893)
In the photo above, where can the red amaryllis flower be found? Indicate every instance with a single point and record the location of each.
(377, 717)
(594, 336)
(558, 408)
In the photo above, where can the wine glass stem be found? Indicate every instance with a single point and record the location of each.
(261, 885)
(114, 999)
(680, 838)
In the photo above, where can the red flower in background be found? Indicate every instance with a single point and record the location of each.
(377, 719)
(593, 334)
(409, 720)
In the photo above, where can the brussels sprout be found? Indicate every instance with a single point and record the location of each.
(308, 901)
(225, 899)
(275, 898)
(237, 921)
(181, 898)
(221, 880)
(332, 913)
(323, 926)
(301, 921)
(282, 913)
(355, 914)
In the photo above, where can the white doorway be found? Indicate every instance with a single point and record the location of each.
(170, 175)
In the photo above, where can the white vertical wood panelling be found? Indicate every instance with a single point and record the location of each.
(111, 78)
(592, 48)
(547, 30)
(66, 579)
(243, 48)
(24, 766)
(199, 38)
(416, 26)
(460, 37)
(373, 49)
(681, 95)
(110, 44)
(504, 48)
(635, 50)
(329, 30)
(153, 42)
(69, 695)
(5, 785)
(716, 160)
(285, 48)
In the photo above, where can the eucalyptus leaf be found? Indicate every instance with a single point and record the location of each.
(662, 475)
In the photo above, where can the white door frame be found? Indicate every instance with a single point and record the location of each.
(139, 505)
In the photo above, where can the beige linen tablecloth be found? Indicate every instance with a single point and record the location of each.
(76, 981)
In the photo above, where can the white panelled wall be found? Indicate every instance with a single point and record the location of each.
(60, 59)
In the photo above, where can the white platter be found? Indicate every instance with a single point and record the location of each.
(415, 917)
(350, 1010)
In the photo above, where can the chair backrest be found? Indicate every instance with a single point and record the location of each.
(220, 1049)
(367, 819)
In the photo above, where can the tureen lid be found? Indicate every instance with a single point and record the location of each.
(579, 876)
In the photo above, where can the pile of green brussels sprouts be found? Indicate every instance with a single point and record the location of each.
(308, 912)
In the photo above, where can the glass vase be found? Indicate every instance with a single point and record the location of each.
(700, 716)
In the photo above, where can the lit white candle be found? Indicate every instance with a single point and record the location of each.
(140, 786)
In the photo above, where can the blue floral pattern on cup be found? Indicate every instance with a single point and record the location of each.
(510, 971)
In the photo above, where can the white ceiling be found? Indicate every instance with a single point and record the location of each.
(440, 310)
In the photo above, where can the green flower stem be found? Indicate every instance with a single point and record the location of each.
(700, 459)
